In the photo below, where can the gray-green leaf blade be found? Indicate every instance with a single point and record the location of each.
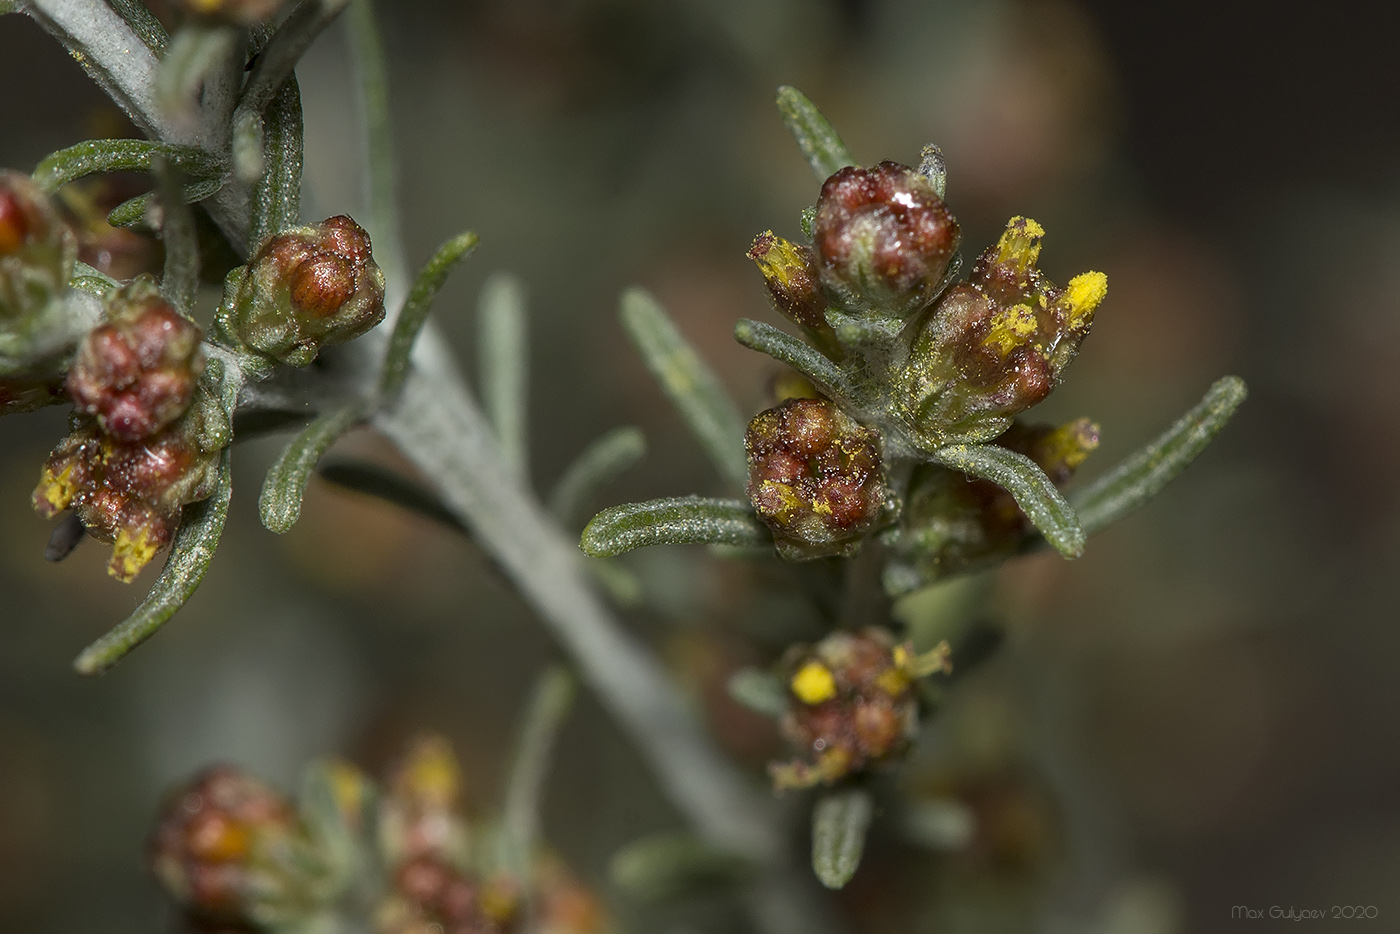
(279, 505)
(1144, 474)
(839, 823)
(415, 310)
(1027, 483)
(690, 384)
(681, 520)
(819, 143)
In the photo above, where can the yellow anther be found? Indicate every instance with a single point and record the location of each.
(1011, 328)
(57, 489)
(1071, 443)
(777, 258)
(1083, 294)
(431, 775)
(814, 683)
(130, 553)
(1020, 243)
(893, 681)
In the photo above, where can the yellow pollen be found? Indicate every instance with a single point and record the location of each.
(1084, 293)
(57, 490)
(130, 553)
(893, 681)
(1020, 242)
(780, 261)
(1011, 328)
(814, 683)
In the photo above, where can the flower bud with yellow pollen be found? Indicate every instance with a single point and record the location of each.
(852, 705)
(997, 344)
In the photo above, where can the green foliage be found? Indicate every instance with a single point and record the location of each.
(279, 505)
(839, 822)
(680, 520)
(415, 310)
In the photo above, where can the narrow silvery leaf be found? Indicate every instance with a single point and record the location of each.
(376, 481)
(681, 520)
(839, 823)
(190, 555)
(933, 167)
(665, 866)
(121, 155)
(945, 825)
(760, 691)
(372, 91)
(520, 819)
(1143, 475)
(415, 310)
(691, 385)
(1027, 483)
(823, 148)
(194, 55)
(504, 364)
(601, 463)
(180, 278)
(142, 22)
(280, 55)
(277, 195)
(136, 210)
(285, 483)
(787, 349)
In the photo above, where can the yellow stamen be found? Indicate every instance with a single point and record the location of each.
(131, 553)
(1011, 328)
(777, 259)
(56, 491)
(1019, 245)
(814, 683)
(1083, 294)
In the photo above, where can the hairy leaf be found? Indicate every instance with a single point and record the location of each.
(691, 385)
(121, 155)
(839, 822)
(133, 210)
(286, 47)
(504, 362)
(760, 691)
(277, 195)
(550, 701)
(1024, 480)
(666, 866)
(601, 463)
(787, 349)
(190, 555)
(193, 57)
(415, 310)
(142, 22)
(1143, 475)
(823, 148)
(680, 520)
(180, 278)
(279, 505)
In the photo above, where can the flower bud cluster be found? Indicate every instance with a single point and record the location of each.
(996, 345)
(303, 289)
(852, 704)
(226, 846)
(814, 477)
(137, 373)
(952, 522)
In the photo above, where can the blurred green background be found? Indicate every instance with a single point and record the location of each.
(1200, 713)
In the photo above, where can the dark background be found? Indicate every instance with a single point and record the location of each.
(1201, 712)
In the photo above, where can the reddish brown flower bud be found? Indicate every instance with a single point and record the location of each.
(131, 493)
(853, 704)
(883, 239)
(137, 373)
(814, 477)
(36, 254)
(431, 895)
(224, 847)
(237, 12)
(304, 288)
(790, 272)
(998, 344)
(953, 522)
(420, 812)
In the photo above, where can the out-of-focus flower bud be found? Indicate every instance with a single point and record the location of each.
(953, 522)
(431, 896)
(852, 704)
(563, 905)
(305, 288)
(131, 493)
(883, 238)
(36, 250)
(137, 373)
(119, 252)
(237, 12)
(814, 477)
(228, 848)
(998, 344)
(419, 815)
